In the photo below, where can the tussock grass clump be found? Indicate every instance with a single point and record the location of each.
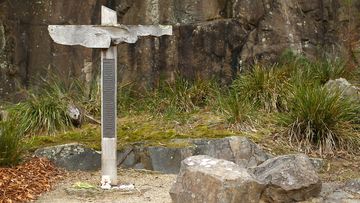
(10, 144)
(86, 97)
(236, 109)
(322, 118)
(46, 109)
(40, 114)
(302, 70)
(263, 87)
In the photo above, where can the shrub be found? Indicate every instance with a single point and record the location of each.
(10, 146)
(322, 118)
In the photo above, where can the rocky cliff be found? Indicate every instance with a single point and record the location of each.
(212, 38)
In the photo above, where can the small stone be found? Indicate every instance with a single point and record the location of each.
(318, 163)
(353, 186)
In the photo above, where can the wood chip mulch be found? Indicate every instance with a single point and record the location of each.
(27, 181)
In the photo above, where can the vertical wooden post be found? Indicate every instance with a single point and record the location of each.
(108, 103)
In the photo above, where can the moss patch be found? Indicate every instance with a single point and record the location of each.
(89, 136)
(142, 128)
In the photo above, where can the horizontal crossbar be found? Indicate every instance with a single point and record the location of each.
(98, 36)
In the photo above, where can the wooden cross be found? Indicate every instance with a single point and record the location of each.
(106, 36)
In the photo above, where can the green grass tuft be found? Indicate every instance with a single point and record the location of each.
(263, 87)
(322, 118)
(10, 144)
(236, 109)
(40, 114)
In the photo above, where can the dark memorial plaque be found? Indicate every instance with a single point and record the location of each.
(109, 98)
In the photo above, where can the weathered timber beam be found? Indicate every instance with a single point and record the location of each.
(97, 36)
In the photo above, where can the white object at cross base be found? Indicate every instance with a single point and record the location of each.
(106, 36)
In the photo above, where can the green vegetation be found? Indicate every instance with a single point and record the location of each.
(10, 144)
(321, 117)
(40, 114)
(263, 87)
(236, 108)
(168, 100)
(285, 103)
(142, 128)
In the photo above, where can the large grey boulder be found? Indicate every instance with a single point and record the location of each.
(289, 178)
(210, 180)
(72, 156)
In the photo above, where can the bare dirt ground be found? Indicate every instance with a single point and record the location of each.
(154, 187)
(149, 187)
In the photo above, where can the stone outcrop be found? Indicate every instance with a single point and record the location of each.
(205, 179)
(239, 150)
(289, 178)
(72, 157)
(212, 38)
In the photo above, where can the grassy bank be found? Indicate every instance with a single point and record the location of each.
(285, 106)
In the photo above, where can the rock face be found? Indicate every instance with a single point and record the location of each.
(239, 150)
(72, 156)
(289, 178)
(205, 179)
(220, 35)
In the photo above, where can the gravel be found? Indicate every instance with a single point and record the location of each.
(149, 187)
